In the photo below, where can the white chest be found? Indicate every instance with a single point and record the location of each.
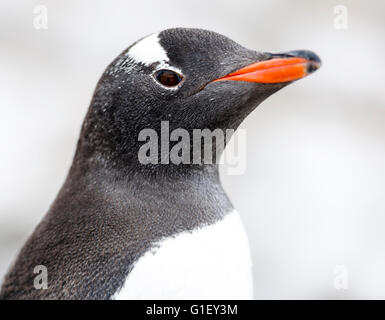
(212, 262)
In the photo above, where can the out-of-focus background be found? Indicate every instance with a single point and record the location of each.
(313, 193)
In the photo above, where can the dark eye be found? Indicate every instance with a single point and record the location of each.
(168, 78)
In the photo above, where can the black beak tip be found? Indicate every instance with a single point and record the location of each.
(314, 60)
(312, 66)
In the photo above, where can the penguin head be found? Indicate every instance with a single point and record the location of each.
(191, 78)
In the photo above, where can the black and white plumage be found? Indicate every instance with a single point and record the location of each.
(120, 229)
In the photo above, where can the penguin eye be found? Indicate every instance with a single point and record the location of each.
(168, 78)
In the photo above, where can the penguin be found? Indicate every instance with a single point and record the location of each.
(123, 229)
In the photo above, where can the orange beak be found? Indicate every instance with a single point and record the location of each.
(276, 70)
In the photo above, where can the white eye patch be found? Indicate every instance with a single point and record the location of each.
(148, 51)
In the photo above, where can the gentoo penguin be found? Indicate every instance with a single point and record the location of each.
(123, 229)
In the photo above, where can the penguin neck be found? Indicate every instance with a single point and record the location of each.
(87, 168)
(111, 155)
(95, 154)
(129, 165)
(191, 190)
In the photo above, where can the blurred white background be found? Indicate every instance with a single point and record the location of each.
(312, 197)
